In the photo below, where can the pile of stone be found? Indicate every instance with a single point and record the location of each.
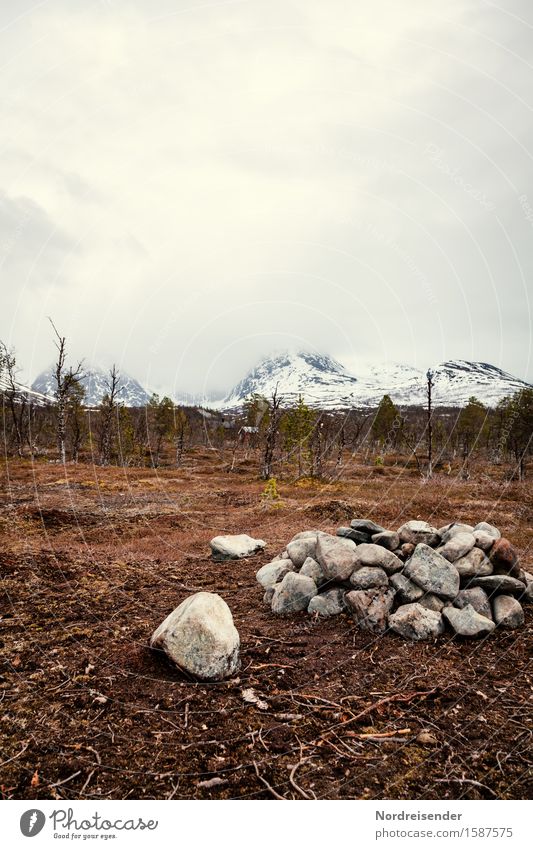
(416, 581)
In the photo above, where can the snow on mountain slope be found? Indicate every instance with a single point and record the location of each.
(325, 383)
(95, 382)
(23, 391)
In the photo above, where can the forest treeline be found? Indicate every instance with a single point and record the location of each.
(294, 441)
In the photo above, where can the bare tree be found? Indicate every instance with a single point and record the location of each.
(430, 385)
(16, 400)
(107, 412)
(271, 435)
(65, 379)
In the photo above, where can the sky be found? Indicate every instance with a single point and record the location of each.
(186, 187)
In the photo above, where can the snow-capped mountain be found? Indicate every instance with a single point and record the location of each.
(22, 391)
(325, 383)
(95, 381)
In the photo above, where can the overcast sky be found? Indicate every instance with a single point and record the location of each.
(187, 186)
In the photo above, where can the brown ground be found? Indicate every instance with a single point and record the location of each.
(92, 561)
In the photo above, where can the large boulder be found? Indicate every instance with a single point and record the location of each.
(474, 564)
(467, 622)
(416, 532)
(486, 528)
(508, 612)
(293, 594)
(271, 573)
(367, 526)
(448, 531)
(504, 558)
(484, 541)
(406, 591)
(388, 539)
(355, 536)
(368, 577)
(493, 584)
(369, 554)
(457, 546)
(200, 638)
(370, 608)
(337, 557)
(432, 572)
(477, 597)
(313, 570)
(300, 549)
(415, 622)
(330, 603)
(235, 547)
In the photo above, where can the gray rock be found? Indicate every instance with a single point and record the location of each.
(448, 531)
(477, 597)
(368, 577)
(235, 547)
(388, 539)
(491, 530)
(416, 532)
(273, 572)
(457, 546)
(527, 597)
(305, 535)
(432, 572)
(474, 564)
(467, 622)
(367, 526)
(301, 549)
(433, 602)
(415, 622)
(199, 636)
(484, 541)
(355, 536)
(313, 570)
(337, 557)
(370, 608)
(293, 594)
(407, 592)
(368, 554)
(508, 612)
(330, 603)
(499, 584)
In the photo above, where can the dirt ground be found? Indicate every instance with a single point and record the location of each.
(92, 560)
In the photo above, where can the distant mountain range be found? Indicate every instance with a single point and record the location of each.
(321, 381)
(325, 383)
(95, 382)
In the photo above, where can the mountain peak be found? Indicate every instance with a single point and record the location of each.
(95, 382)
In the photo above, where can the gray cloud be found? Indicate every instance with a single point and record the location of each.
(209, 184)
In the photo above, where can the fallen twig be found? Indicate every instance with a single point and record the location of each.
(467, 781)
(267, 785)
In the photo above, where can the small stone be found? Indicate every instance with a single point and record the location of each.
(235, 547)
(313, 570)
(416, 532)
(388, 539)
(414, 622)
(477, 597)
(355, 536)
(293, 594)
(271, 573)
(268, 596)
(488, 529)
(330, 603)
(499, 584)
(407, 549)
(432, 572)
(301, 549)
(370, 608)
(433, 602)
(367, 526)
(504, 558)
(508, 612)
(467, 622)
(368, 577)
(407, 592)
(426, 738)
(448, 531)
(473, 564)
(336, 556)
(484, 541)
(457, 546)
(368, 554)
(199, 637)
